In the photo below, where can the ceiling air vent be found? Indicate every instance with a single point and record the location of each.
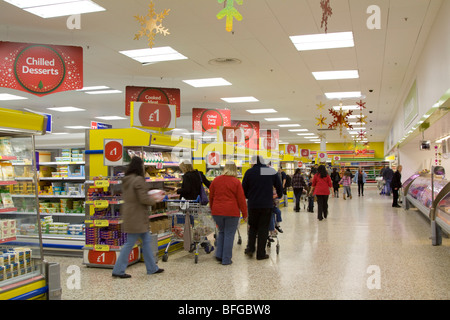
(224, 61)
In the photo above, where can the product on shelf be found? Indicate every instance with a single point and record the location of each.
(7, 229)
(111, 235)
(15, 262)
(7, 171)
(5, 146)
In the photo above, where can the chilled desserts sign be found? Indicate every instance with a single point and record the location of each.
(40, 69)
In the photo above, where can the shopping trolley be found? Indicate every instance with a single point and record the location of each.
(191, 223)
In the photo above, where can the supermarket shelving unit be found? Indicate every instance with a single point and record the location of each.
(24, 274)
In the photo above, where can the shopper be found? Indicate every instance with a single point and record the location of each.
(283, 178)
(227, 201)
(298, 183)
(309, 186)
(191, 181)
(275, 218)
(346, 182)
(321, 187)
(335, 178)
(360, 178)
(396, 184)
(135, 218)
(258, 183)
(388, 174)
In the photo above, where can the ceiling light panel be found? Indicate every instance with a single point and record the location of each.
(277, 119)
(343, 95)
(306, 134)
(153, 55)
(93, 88)
(66, 109)
(259, 111)
(77, 127)
(336, 75)
(110, 118)
(346, 108)
(210, 82)
(56, 8)
(323, 41)
(240, 99)
(298, 130)
(103, 92)
(7, 97)
(289, 125)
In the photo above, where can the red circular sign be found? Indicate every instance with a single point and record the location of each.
(155, 115)
(39, 69)
(248, 129)
(214, 159)
(153, 95)
(211, 119)
(113, 151)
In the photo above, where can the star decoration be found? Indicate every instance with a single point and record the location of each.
(151, 24)
(361, 104)
(340, 120)
(321, 121)
(230, 12)
(320, 106)
(326, 13)
(362, 120)
(361, 134)
(322, 135)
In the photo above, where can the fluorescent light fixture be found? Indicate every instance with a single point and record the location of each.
(93, 88)
(56, 8)
(211, 82)
(192, 133)
(442, 139)
(336, 75)
(323, 41)
(153, 55)
(298, 130)
(352, 133)
(256, 111)
(240, 99)
(289, 125)
(343, 95)
(66, 109)
(7, 97)
(346, 108)
(77, 127)
(306, 134)
(110, 118)
(103, 92)
(312, 137)
(315, 140)
(59, 133)
(362, 128)
(354, 116)
(277, 119)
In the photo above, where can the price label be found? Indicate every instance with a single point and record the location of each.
(101, 204)
(101, 183)
(112, 152)
(101, 223)
(101, 247)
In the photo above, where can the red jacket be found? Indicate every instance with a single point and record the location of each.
(226, 197)
(321, 185)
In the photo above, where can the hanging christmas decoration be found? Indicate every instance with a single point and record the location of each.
(321, 119)
(326, 13)
(340, 119)
(361, 135)
(230, 12)
(151, 24)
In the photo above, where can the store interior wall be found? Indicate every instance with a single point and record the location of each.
(432, 76)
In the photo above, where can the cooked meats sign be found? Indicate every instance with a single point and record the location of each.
(40, 69)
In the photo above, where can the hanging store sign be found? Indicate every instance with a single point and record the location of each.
(292, 149)
(269, 139)
(150, 115)
(40, 69)
(209, 120)
(251, 132)
(152, 95)
(112, 152)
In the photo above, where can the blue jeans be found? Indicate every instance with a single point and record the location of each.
(149, 259)
(388, 187)
(276, 217)
(227, 229)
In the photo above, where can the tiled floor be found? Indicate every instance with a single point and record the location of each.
(365, 249)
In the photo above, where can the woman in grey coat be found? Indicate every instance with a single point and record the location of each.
(135, 218)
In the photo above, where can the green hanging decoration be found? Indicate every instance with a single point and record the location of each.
(230, 12)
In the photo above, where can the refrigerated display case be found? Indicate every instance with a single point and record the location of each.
(419, 193)
(24, 274)
(443, 213)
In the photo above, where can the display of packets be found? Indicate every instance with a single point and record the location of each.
(111, 235)
(15, 262)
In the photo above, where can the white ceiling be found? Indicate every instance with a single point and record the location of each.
(272, 70)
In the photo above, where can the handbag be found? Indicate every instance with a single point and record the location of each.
(204, 200)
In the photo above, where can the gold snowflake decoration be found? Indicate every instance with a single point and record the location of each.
(151, 24)
(320, 106)
(321, 121)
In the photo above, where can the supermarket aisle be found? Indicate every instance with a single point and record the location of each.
(363, 243)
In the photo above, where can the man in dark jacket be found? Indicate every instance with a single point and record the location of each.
(258, 183)
(388, 174)
(396, 184)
